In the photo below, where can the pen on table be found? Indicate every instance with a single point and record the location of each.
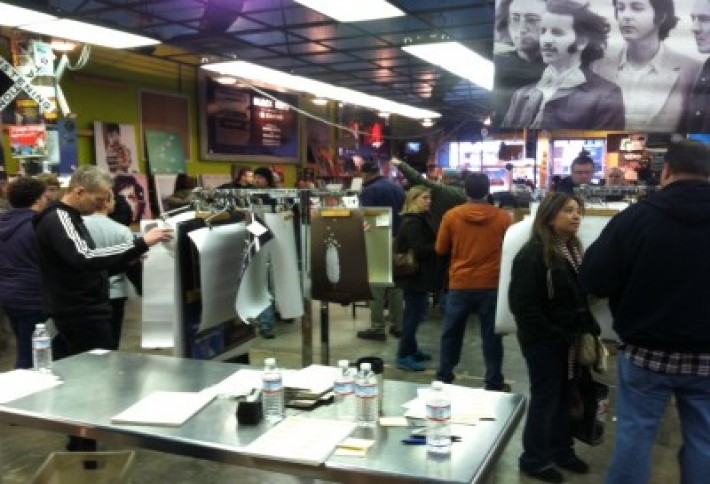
(421, 439)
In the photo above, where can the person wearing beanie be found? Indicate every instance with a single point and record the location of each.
(472, 236)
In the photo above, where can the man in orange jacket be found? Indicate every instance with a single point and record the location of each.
(472, 235)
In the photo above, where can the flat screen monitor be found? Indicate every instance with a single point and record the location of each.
(413, 147)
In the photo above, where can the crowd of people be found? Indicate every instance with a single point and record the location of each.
(58, 249)
(664, 350)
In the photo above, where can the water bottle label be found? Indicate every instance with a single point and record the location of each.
(272, 386)
(41, 344)
(366, 391)
(343, 388)
(439, 413)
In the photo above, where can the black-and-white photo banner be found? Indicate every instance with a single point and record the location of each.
(604, 64)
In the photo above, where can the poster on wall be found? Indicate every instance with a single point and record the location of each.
(365, 135)
(337, 252)
(165, 151)
(559, 82)
(320, 148)
(240, 124)
(134, 188)
(115, 146)
(28, 141)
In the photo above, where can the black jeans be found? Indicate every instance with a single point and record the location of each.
(77, 335)
(547, 436)
(118, 307)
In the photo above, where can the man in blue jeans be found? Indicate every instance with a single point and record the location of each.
(652, 261)
(472, 235)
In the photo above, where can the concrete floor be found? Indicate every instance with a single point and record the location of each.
(22, 451)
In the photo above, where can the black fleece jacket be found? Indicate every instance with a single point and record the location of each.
(653, 262)
(555, 311)
(74, 271)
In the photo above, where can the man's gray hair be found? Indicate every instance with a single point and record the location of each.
(92, 178)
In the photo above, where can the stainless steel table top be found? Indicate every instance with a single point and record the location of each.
(98, 386)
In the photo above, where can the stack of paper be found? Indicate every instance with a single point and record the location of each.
(20, 383)
(164, 408)
(468, 405)
(302, 440)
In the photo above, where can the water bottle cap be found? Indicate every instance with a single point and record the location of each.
(343, 363)
(270, 361)
(437, 385)
(365, 367)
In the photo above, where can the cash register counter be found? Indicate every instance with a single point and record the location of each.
(98, 386)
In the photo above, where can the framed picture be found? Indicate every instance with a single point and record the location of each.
(241, 124)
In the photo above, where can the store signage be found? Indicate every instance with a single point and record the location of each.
(22, 83)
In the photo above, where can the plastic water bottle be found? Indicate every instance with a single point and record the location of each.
(366, 394)
(344, 389)
(272, 391)
(438, 420)
(41, 349)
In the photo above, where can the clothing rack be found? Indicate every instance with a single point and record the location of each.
(224, 200)
(601, 194)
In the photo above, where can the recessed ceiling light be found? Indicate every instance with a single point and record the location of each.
(456, 58)
(353, 10)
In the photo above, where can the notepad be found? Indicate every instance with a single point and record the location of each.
(303, 440)
(170, 409)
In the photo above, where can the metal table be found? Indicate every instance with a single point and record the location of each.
(98, 386)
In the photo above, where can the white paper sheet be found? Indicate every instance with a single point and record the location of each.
(253, 293)
(313, 378)
(302, 440)
(239, 383)
(284, 266)
(20, 383)
(170, 409)
(468, 405)
(221, 250)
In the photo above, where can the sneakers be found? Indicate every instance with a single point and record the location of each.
(267, 333)
(574, 464)
(395, 331)
(550, 474)
(421, 356)
(409, 363)
(372, 334)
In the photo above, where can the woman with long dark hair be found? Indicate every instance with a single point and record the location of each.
(551, 311)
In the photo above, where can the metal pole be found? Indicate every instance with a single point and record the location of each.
(307, 320)
(324, 334)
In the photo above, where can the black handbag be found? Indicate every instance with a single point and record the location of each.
(589, 407)
(404, 264)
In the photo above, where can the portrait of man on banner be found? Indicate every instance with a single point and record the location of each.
(115, 146)
(650, 52)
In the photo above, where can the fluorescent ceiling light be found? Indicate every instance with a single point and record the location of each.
(13, 16)
(89, 34)
(456, 58)
(253, 72)
(353, 10)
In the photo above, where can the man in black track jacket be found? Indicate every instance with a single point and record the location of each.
(74, 271)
